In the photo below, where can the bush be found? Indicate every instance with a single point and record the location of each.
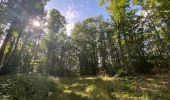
(28, 87)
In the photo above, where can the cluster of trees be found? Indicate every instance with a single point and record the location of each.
(126, 43)
(17, 34)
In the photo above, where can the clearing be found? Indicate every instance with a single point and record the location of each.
(37, 87)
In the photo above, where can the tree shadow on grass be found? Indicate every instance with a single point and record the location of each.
(95, 88)
(87, 87)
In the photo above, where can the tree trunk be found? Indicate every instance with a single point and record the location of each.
(5, 42)
(122, 57)
(169, 51)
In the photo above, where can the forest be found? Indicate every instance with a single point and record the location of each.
(124, 57)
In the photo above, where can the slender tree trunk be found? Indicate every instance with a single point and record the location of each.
(13, 54)
(169, 51)
(163, 45)
(8, 36)
(5, 42)
(122, 58)
(8, 55)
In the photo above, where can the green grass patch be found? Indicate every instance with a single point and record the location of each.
(37, 87)
(110, 88)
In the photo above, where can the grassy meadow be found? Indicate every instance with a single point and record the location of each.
(37, 87)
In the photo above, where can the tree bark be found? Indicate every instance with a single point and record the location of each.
(5, 42)
(169, 51)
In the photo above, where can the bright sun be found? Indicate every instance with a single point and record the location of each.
(36, 23)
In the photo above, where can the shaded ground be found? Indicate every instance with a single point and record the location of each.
(35, 87)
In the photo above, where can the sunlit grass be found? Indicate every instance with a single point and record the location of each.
(90, 88)
(107, 78)
(75, 85)
(67, 91)
(87, 88)
(111, 88)
(88, 78)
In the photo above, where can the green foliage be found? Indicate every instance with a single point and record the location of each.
(126, 43)
(26, 87)
(137, 2)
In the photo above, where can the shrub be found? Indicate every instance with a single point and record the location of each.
(28, 87)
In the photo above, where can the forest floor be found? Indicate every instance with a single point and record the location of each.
(26, 87)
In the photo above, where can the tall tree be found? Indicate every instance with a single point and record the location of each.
(56, 23)
(17, 12)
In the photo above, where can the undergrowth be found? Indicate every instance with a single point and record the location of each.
(28, 87)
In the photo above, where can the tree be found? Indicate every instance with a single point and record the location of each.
(17, 13)
(56, 23)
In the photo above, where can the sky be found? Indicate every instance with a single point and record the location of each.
(77, 10)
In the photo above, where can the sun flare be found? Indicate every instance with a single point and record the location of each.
(36, 23)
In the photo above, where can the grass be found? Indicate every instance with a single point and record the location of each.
(110, 88)
(31, 87)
